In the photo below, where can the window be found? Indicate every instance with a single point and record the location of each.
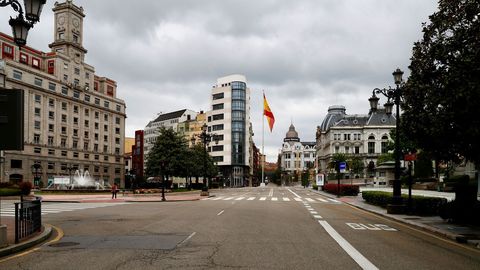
(50, 140)
(86, 135)
(96, 136)
(371, 147)
(337, 149)
(87, 75)
(64, 91)
(37, 112)
(17, 75)
(75, 144)
(37, 124)
(117, 130)
(63, 142)
(217, 96)
(110, 90)
(51, 102)
(76, 94)
(217, 127)
(97, 115)
(64, 118)
(75, 154)
(87, 98)
(97, 157)
(75, 132)
(217, 106)
(35, 62)
(86, 156)
(217, 117)
(217, 158)
(36, 138)
(16, 164)
(38, 82)
(77, 71)
(87, 112)
(117, 170)
(117, 120)
(61, 36)
(87, 123)
(384, 144)
(217, 148)
(106, 104)
(105, 148)
(105, 158)
(7, 51)
(117, 159)
(64, 130)
(51, 127)
(96, 125)
(51, 152)
(37, 150)
(105, 138)
(64, 106)
(38, 99)
(105, 127)
(23, 58)
(85, 146)
(51, 115)
(105, 169)
(105, 117)
(75, 109)
(51, 165)
(76, 82)
(64, 153)
(97, 101)
(117, 151)
(95, 147)
(357, 149)
(117, 140)
(118, 108)
(346, 137)
(75, 121)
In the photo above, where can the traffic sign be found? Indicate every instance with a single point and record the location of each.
(342, 166)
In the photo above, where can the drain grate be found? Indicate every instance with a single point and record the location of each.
(64, 244)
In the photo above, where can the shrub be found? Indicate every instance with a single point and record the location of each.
(25, 187)
(314, 186)
(456, 211)
(345, 190)
(9, 191)
(6, 184)
(421, 205)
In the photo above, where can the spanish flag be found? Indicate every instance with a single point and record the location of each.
(268, 113)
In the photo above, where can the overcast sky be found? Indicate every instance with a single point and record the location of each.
(306, 55)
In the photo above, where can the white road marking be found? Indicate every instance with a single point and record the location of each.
(297, 199)
(251, 199)
(313, 212)
(335, 201)
(296, 195)
(271, 193)
(263, 198)
(228, 199)
(310, 200)
(363, 262)
(285, 199)
(186, 239)
(239, 198)
(221, 212)
(274, 199)
(322, 200)
(317, 216)
(219, 198)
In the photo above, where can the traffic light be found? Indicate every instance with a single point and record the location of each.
(11, 119)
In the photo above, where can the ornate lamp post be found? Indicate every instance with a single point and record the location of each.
(36, 170)
(20, 26)
(394, 96)
(206, 138)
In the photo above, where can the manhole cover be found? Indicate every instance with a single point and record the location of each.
(64, 244)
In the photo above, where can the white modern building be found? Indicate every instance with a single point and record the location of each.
(166, 120)
(229, 119)
(296, 156)
(73, 119)
(365, 136)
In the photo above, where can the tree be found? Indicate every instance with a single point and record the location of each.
(169, 148)
(442, 95)
(355, 164)
(423, 166)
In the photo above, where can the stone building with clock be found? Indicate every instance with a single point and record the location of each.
(362, 135)
(73, 119)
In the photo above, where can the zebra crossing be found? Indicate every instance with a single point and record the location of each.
(273, 199)
(8, 209)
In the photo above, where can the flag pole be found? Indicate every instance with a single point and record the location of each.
(263, 141)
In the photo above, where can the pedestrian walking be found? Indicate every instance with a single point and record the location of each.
(114, 191)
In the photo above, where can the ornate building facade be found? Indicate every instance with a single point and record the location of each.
(73, 118)
(296, 157)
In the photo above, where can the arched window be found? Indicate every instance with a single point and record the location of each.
(384, 144)
(371, 144)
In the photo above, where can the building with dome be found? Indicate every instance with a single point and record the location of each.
(296, 156)
(362, 135)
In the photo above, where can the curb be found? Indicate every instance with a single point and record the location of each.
(42, 237)
(455, 237)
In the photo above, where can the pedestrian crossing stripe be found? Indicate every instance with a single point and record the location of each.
(322, 200)
(251, 199)
(263, 198)
(305, 201)
(239, 198)
(309, 199)
(297, 199)
(9, 210)
(286, 199)
(274, 199)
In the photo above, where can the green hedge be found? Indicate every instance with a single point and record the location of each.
(423, 206)
(10, 191)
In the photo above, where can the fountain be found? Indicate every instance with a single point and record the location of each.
(81, 180)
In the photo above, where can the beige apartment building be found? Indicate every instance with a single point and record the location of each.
(73, 118)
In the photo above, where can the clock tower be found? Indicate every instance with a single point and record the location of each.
(68, 31)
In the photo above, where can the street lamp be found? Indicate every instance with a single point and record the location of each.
(20, 26)
(394, 96)
(206, 138)
(162, 167)
(36, 170)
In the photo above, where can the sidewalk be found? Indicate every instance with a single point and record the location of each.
(121, 197)
(435, 224)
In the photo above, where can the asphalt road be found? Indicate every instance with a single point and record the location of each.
(249, 228)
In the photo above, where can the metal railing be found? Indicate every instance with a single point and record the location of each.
(28, 218)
